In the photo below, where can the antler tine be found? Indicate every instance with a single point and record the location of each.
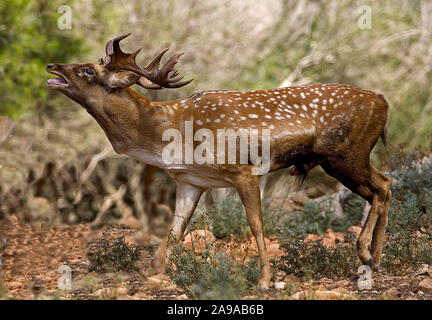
(157, 78)
(113, 46)
(117, 59)
(174, 74)
(153, 65)
(169, 65)
(167, 73)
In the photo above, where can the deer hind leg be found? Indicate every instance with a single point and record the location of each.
(363, 181)
(249, 193)
(187, 197)
(384, 184)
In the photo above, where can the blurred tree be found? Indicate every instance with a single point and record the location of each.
(29, 40)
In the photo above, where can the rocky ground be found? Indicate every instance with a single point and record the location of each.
(32, 257)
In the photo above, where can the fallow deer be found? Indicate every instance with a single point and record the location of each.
(331, 125)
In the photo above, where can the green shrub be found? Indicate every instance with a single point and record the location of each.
(224, 280)
(409, 242)
(315, 218)
(309, 219)
(314, 261)
(252, 271)
(228, 217)
(353, 211)
(409, 231)
(187, 267)
(212, 275)
(113, 255)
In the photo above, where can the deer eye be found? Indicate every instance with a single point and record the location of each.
(89, 71)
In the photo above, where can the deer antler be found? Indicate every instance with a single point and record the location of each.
(155, 78)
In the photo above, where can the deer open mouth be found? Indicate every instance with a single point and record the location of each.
(59, 81)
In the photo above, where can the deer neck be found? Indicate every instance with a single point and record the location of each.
(132, 124)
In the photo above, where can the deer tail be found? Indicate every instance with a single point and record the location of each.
(384, 132)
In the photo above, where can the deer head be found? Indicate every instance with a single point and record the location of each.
(118, 70)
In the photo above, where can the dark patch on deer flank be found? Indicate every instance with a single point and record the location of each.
(338, 134)
(299, 155)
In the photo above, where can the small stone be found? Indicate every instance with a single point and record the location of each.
(182, 297)
(156, 282)
(342, 283)
(279, 285)
(332, 238)
(15, 284)
(101, 292)
(122, 291)
(311, 238)
(299, 295)
(141, 296)
(424, 269)
(342, 290)
(321, 295)
(331, 295)
(426, 284)
(321, 287)
(273, 248)
(392, 291)
(171, 287)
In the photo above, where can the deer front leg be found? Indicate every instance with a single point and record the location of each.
(249, 192)
(187, 197)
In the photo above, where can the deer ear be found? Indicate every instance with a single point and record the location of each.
(121, 79)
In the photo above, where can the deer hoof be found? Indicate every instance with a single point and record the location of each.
(376, 267)
(263, 285)
(369, 263)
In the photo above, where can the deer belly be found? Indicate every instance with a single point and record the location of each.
(201, 180)
(147, 158)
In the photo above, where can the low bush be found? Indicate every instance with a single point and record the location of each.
(113, 255)
(409, 230)
(315, 218)
(212, 275)
(314, 261)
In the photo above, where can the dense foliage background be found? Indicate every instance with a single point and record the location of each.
(29, 37)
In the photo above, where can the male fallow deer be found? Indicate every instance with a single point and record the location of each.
(331, 125)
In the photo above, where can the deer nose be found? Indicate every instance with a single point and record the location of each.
(49, 67)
